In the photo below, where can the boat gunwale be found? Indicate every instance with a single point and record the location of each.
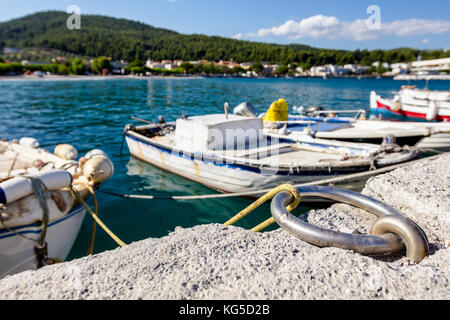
(329, 169)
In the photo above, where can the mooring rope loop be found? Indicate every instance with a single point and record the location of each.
(289, 206)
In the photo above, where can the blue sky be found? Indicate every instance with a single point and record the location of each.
(321, 23)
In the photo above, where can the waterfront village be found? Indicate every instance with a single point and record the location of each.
(107, 66)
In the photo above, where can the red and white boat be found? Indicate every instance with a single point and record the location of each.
(411, 102)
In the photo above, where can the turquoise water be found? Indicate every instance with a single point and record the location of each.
(92, 114)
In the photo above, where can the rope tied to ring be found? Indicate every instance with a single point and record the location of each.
(269, 195)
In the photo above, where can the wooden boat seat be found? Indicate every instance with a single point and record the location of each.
(258, 153)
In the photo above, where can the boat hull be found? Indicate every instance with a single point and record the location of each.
(229, 178)
(439, 142)
(17, 253)
(407, 110)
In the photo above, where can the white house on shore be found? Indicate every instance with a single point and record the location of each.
(400, 68)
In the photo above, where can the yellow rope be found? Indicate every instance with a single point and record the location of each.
(94, 226)
(96, 218)
(272, 193)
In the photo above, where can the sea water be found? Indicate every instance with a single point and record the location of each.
(92, 114)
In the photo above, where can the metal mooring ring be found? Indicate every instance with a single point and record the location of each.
(389, 233)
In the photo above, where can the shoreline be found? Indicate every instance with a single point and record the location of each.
(121, 77)
(82, 78)
(135, 77)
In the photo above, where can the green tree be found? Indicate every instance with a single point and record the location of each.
(187, 67)
(209, 68)
(99, 64)
(137, 70)
(5, 68)
(136, 66)
(237, 70)
(257, 67)
(380, 70)
(283, 69)
(198, 68)
(62, 69)
(77, 67)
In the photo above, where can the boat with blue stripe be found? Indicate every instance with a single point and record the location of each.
(233, 153)
(40, 195)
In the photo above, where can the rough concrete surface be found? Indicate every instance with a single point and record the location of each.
(219, 262)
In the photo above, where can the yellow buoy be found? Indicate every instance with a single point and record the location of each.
(278, 111)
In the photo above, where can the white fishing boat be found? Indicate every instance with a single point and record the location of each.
(231, 153)
(39, 215)
(425, 136)
(411, 102)
(316, 123)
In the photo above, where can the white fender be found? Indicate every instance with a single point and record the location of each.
(432, 111)
(98, 168)
(95, 152)
(66, 151)
(29, 142)
(28, 210)
(20, 187)
(373, 100)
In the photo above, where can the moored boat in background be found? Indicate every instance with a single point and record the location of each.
(317, 123)
(414, 103)
(231, 153)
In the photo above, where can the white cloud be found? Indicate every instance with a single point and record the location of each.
(238, 36)
(425, 41)
(320, 26)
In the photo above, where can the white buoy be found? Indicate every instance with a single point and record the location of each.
(20, 187)
(95, 152)
(66, 151)
(29, 142)
(432, 111)
(98, 169)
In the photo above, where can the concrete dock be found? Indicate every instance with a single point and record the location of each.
(219, 262)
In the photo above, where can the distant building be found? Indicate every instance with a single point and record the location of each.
(118, 67)
(27, 62)
(153, 64)
(400, 68)
(169, 66)
(320, 71)
(246, 65)
(7, 50)
(60, 59)
(232, 65)
(383, 64)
